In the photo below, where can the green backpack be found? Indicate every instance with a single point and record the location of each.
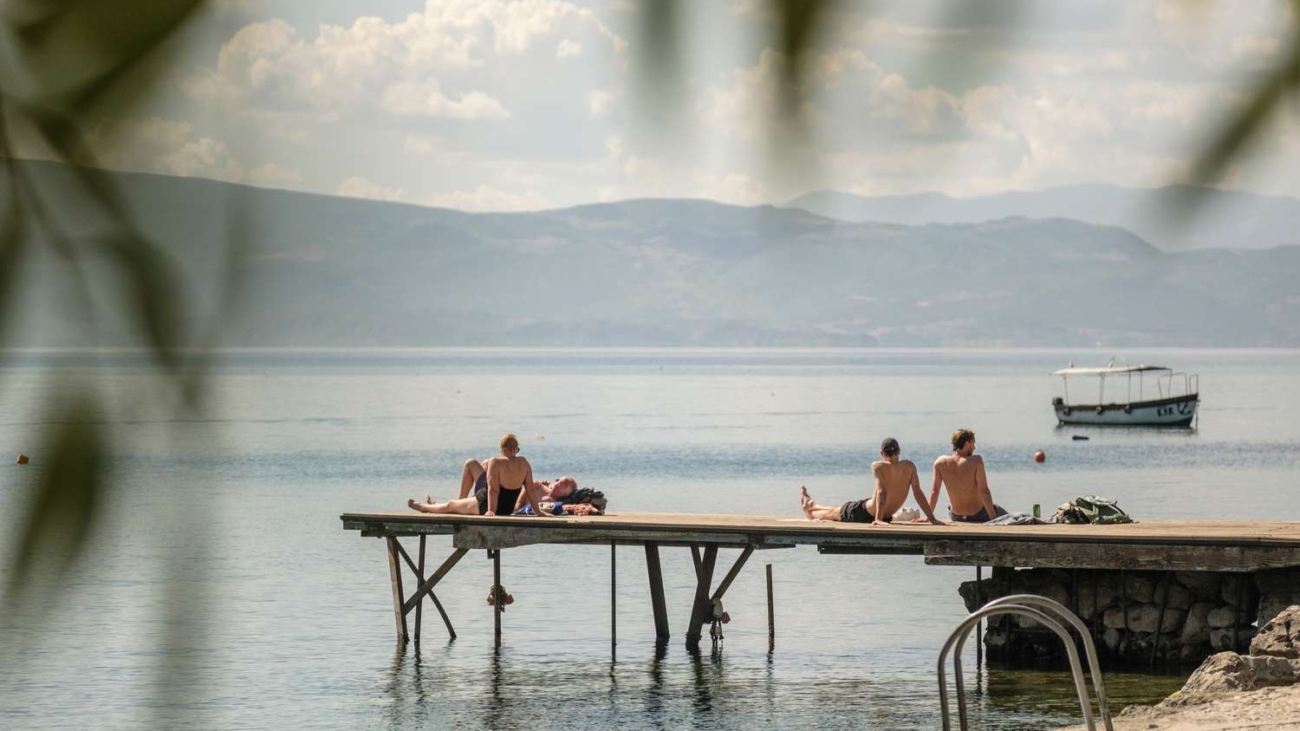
(1100, 510)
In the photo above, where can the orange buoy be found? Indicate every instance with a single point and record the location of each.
(1039, 456)
(22, 459)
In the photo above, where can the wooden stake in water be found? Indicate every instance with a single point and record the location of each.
(613, 596)
(771, 616)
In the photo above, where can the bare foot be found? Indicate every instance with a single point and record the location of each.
(806, 502)
(414, 505)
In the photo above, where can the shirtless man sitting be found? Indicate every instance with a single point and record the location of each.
(968, 486)
(892, 477)
(501, 471)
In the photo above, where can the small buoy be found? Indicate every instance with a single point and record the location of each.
(1079, 438)
(22, 459)
(1040, 456)
(539, 437)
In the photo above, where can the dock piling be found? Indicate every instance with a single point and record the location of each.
(395, 575)
(613, 596)
(499, 595)
(771, 616)
(703, 579)
(657, 591)
(419, 578)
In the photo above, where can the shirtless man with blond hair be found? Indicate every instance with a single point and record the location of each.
(892, 477)
(968, 486)
(499, 484)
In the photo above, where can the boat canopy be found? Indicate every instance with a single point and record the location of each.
(1107, 370)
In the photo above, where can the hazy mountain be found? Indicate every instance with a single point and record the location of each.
(1164, 216)
(325, 271)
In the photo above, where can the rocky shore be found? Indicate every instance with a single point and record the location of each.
(1258, 691)
(1137, 618)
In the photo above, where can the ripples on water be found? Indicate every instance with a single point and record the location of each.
(295, 628)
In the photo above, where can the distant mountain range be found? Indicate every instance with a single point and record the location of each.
(1174, 218)
(326, 271)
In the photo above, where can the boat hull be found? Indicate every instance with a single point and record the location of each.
(1177, 411)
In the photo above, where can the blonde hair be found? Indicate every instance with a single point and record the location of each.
(510, 442)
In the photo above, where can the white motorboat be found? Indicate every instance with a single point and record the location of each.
(1172, 404)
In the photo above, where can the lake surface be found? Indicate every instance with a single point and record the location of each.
(220, 590)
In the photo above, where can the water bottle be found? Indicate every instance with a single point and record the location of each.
(1038, 511)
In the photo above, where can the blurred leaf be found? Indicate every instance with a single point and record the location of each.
(66, 503)
(657, 70)
(797, 23)
(147, 274)
(77, 48)
(13, 231)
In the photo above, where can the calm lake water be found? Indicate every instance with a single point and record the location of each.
(220, 591)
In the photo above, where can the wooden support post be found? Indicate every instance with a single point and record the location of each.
(1160, 623)
(979, 626)
(613, 596)
(703, 579)
(657, 591)
(500, 596)
(419, 577)
(395, 575)
(731, 575)
(771, 616)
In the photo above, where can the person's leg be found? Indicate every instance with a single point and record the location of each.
(816, 511)
(468, 476)
(464, 506)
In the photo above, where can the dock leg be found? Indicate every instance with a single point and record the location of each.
(771, 616)
(395, 574)
(703, 579)
(979, 626)
(500, 597)
(657, 591)
(419, 577)
(613, 596)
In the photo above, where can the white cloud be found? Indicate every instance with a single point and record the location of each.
(425, 99)
(568, 48)
(358, 187)
(598, 102)
(271, 175)
(204, 157)
(406, 67)
(487, 198)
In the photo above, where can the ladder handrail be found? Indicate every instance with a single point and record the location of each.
(1089, 647)
(964, 629)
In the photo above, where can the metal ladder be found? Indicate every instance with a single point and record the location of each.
(1036, 607)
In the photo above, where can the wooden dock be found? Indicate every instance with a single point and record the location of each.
(1221, 546)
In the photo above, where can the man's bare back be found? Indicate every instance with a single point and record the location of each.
(963, 474)
(891, 478)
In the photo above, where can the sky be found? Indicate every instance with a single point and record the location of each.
(491, 105)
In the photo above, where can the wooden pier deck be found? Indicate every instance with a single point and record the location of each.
(1223, 546)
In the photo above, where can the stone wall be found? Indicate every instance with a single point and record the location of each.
(1137, 617)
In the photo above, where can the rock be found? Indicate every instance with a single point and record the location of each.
(1140, 590)
(1272, 605)
(1279, 582)
(1179, 596)
(1280, 636)
(1220, 673)
(1113, 618)
(1143, 618)
(995, 639)
(1236, 589)
(1224, 639)
(1228, 671)
(1097, 593)
(1196, 629)
(1202, 584)
(1111, 638)
(1222, 617)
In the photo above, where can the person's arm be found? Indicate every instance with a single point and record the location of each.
(982, 487)
(920, 498)
(530, 489)
(934, 491)
(494, 485)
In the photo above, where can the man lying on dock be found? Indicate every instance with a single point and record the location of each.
(892, 477)
(968, 486)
